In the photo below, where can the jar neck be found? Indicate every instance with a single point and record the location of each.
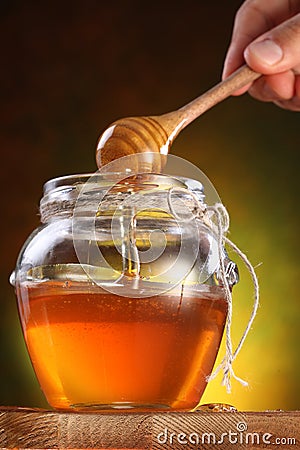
(109, 191)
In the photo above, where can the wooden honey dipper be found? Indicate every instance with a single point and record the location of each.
(155, 134)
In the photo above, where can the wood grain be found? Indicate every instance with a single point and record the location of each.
(23, 428)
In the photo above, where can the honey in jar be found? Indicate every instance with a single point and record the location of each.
(124, 330)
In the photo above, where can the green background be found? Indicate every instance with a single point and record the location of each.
(68, 69)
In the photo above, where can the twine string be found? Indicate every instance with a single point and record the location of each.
(221, 227)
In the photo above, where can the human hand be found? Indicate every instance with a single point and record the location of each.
(266, 35)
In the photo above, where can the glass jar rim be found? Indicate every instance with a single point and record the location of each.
(68, 181)
(61, 194)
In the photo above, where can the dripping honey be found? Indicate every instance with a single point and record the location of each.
(94, 349)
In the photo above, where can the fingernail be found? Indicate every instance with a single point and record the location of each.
(267, 51)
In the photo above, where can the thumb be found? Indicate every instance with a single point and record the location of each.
(276, 51)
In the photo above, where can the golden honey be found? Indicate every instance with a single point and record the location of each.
(94, 349)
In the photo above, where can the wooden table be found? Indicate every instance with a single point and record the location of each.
(23, 428)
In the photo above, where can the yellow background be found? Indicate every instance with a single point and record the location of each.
(69, 70)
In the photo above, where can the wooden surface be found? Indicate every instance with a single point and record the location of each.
(37, 429)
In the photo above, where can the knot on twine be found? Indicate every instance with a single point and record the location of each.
(216, 218)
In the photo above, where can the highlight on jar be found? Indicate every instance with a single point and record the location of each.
(124, 291)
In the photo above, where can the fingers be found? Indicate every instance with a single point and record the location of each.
(291, 105)
(282, 89)
(274, 87)
(267, 36)
(277, 55)
(277, 50)
(254, 18)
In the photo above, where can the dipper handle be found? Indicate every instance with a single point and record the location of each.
(155, 134)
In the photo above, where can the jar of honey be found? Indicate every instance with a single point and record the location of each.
(119, 293)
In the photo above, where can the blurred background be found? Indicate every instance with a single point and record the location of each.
(68, 69)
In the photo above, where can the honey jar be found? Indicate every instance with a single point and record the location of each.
(119, 293)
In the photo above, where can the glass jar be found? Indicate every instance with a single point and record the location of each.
(119, 293)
